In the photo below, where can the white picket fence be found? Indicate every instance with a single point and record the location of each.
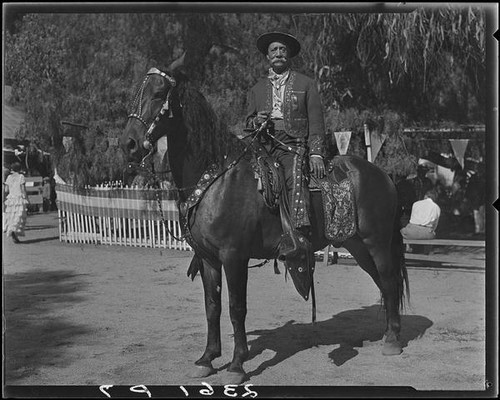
(100, 216)
(78, 228)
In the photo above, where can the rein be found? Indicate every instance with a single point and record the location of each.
(280, 143)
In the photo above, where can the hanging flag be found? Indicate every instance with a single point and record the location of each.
(342, 139)
(459, 146)
(377, 142)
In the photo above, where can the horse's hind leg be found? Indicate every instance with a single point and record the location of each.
(357, 248)
(390, 281)
(377, 262)
(212, 281)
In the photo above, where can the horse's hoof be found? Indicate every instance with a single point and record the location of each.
(201, 371)
(391, 349)
(236, 378)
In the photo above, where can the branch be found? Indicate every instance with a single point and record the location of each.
(74, 124)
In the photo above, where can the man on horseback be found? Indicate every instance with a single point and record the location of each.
(291, 102)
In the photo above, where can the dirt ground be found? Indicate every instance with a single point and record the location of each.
(93, 315)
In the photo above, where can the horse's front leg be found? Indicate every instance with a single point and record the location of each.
(212, 282)
(236, 270)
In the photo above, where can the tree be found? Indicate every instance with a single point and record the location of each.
(424, 63)
(74, 67)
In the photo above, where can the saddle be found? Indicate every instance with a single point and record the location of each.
(338, 207)
(336, 192)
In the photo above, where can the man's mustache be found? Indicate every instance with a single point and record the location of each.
(279, 59)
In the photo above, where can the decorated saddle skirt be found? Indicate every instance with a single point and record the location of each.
(338, 203)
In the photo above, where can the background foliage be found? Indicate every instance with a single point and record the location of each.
(423, 68)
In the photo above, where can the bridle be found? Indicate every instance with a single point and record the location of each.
(137, 114)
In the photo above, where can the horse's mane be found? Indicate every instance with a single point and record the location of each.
(209, 138)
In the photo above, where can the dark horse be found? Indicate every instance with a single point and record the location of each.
(233, 222)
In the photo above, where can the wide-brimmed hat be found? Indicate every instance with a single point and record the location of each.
(290, 41)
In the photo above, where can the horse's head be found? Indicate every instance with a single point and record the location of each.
(167, 106)
(155, 111)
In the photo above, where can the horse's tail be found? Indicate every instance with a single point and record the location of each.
(398, 259)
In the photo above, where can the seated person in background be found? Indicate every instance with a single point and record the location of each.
(424, 218)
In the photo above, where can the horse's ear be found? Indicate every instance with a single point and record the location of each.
(178, 69)
(176, 64)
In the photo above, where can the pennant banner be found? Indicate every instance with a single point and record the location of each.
(377, 142)
(459, 146)
(342, 139)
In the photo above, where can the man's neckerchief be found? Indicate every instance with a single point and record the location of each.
(278, 82)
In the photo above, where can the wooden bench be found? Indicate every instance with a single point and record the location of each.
(34, 187)
(458, 261)
(444, 259)
(447, 242)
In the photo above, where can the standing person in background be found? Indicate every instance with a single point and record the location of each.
(421, 183)
(46, 194)
(53, 194)
(6, 173)
(424, 218)
(475, 195)
(16, 203)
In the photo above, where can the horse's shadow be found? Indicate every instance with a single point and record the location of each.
(348, 329)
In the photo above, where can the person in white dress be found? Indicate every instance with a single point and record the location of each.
(16, 203)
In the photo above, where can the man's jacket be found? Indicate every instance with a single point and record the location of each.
(302, 110)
